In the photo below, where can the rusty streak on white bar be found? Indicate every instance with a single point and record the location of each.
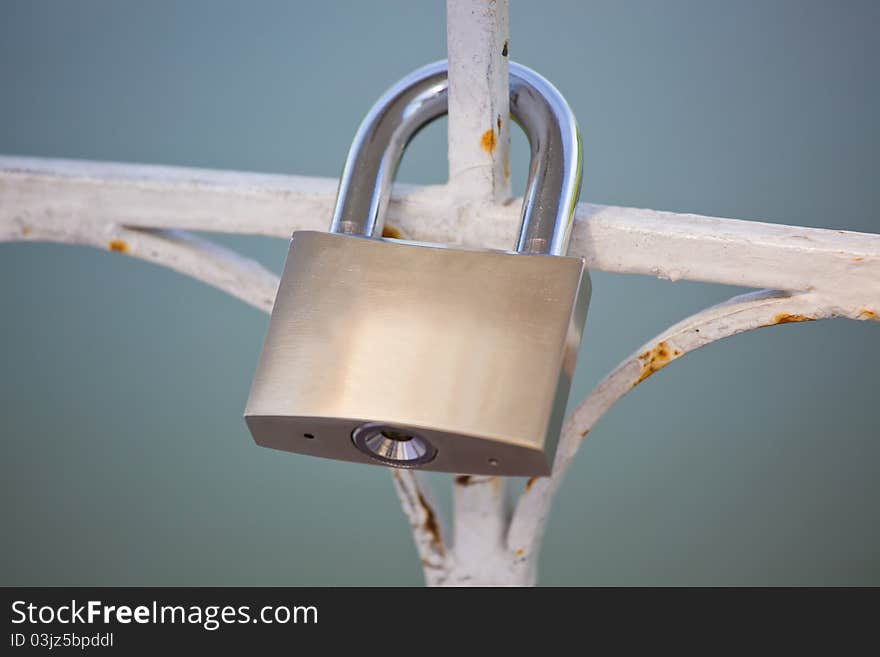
(477, 42)
(67, 194)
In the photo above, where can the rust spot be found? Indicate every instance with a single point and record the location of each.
(867, 313)
(498, 123)
(787, 318)
(505, 48)
(25, 230)
(391, 232)
(519, 552)
(431, 525)
(468, 480)
(488, 141)
(857, 259)
(531, 482)
(584, 433)
(120, 246)
(656, 359)
(507, 170)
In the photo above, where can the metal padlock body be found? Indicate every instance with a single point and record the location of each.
(422, 355)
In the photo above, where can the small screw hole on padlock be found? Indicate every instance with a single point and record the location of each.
(310, 436)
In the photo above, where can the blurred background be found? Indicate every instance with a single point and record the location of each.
(125, 460)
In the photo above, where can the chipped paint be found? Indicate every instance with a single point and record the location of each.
(463, 480)
(787, 318)
(506, 48)
(655, 360)
(120, 246)
(488, 141)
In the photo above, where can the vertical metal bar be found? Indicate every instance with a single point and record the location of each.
(478, 44)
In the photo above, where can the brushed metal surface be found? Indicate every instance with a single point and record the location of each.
(474, 350)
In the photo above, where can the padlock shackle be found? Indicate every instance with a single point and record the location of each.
(554, 172)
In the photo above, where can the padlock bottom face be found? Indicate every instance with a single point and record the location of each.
(334, 438)
(461, 359)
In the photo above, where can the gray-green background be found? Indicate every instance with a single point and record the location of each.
(124, 456)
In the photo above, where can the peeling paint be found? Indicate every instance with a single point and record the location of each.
(787, 318)
(656, 359)
(488, 141)
(120, 246)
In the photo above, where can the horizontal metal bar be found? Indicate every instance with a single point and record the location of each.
(840, 264)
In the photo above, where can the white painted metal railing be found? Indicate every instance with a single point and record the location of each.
(801, 274)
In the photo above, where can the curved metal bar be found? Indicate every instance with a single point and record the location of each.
(554, 174)
(184, 252)
(745, 312)
(247, 280)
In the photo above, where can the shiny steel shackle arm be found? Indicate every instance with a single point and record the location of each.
(422, 96)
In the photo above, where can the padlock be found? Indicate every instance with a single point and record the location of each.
(419, 355)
